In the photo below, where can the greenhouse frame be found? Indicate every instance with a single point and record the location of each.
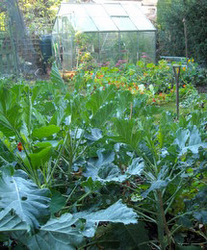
(102, 33)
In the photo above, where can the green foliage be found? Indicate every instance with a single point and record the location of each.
(20, 196)
(39, 14)
(171, 17)
(116, 236)
(91, 148)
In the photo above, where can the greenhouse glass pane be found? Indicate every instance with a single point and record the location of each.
(95, 10)
(100, 18)
(147, 45)
(55, 28)
(109, 47)
(124, 23)
(129, 49)
(104, 24)
(82, 21)
(137, 17)
(84, 24)
(78, 17)
(115, 9)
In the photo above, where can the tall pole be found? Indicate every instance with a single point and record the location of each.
(186, 39)
(176, 69)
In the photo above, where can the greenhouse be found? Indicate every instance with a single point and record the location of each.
(102, 33)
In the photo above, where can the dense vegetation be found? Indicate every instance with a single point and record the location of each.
(39, 15)
(182, 28)
(102, 161)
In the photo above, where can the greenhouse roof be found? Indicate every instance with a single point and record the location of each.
(105, 17)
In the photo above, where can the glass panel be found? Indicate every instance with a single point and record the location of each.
(124, 23)
(100, 17)
(78, 17)
(137, 17)
(95, 10)
(81, 21)
(104, 24)
(55, 28)
(147, 46)
(84, 24)
(130, 50)
(109, 48)
(115, 9)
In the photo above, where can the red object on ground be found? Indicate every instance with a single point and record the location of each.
(20, 147)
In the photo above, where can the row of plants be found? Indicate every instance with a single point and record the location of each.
(158, 77)
(155, 81)
(90, 166)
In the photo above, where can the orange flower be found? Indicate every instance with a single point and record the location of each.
(153, 100)
(20, 147)
(160, 94)
(184, 85)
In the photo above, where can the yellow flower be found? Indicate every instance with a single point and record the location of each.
(188, 60)
(184, 68)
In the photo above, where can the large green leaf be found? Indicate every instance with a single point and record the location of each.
(38, 159)
(57, 202)
(159, 182)
(45, 131)
(100, 98)
(10, 110)
(120, 236)
(127, 132)
(103, 169)
(21, 195)
(64, 232)
(94, 135)
(124, 99)
(10, 120)
(58, 233)
(56, 77)
(104, 114)
(116, 213)
(10, 222)
(189, 140)
(136, 167)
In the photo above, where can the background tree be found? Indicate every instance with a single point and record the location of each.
(171, 17)
(39, 15)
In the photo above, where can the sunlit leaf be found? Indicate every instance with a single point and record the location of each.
(45, 131)
(22, 195)
(116, 213)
